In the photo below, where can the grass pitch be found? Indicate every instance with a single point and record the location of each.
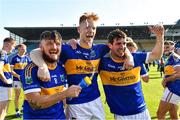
(152, 93)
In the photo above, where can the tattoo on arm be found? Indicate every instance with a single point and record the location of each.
(34, 105)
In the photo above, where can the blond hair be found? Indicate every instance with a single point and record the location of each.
(88, 15)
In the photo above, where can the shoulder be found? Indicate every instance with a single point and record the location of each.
(106, 57)
(30, 68)
(66, 46)
(176, 56)
(14, 57)
(102, 46)
(139, 54)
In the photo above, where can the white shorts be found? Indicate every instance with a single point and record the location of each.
(5, 93)
(86, 111)
(140, 116)
(170, 97)
(17, 84)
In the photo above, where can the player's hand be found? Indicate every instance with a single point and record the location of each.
(128, 64)
(158, 30)
(9, 81)
(19, 78)
(73, 91)
(73, 43)
(164, 82)
(43, 74)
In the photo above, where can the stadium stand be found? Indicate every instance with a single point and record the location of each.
(140, 34)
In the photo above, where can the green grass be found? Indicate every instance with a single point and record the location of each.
(152, 92)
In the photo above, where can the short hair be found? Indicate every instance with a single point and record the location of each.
(88, 15)
(51, 35)
(131, 44)
(172, 43)
(117, 33)
(9, 40)
(169, 42)
(20, 45)
(128, 39)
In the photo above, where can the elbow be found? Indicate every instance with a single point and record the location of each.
(157, 55)
(35, 104)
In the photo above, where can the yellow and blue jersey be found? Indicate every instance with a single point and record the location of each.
(80, 63)
(19, 63)
(6, 69)
(31, 83)
(171, 62)
(123, 87)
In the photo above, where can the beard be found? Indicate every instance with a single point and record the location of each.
(48, 59)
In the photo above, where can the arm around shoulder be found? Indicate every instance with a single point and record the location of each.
(36, 57)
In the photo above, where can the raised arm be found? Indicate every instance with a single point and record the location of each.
(36, 57)
(38, 101)
(157, 51)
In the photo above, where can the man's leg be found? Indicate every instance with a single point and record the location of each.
(16, 101)
(173, 112)
(5, 97)
(168, 103)
(163, 108)
(3, 109)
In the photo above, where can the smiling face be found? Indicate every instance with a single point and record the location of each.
(87, 30)
(168, 48)
(51, 50)
(22, 49)
(51, 46)
(9, 44)
(117, 43)
(117, 47)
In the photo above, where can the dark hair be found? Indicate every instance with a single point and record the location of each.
(88, 15)
(51, 35)
(166, 43)
(9, 40)
(115, 34)
(172, 43)
(169, 42)
(20, 45)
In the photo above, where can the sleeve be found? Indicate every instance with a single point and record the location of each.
(141, 57)
(13, 61)
(30, 80)
(12, 55)
(104, 49)
(63, 56)
(143, 71)
(28, 59)
(177, 63)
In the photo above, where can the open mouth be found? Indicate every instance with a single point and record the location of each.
(89, 36)
(53, 52)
